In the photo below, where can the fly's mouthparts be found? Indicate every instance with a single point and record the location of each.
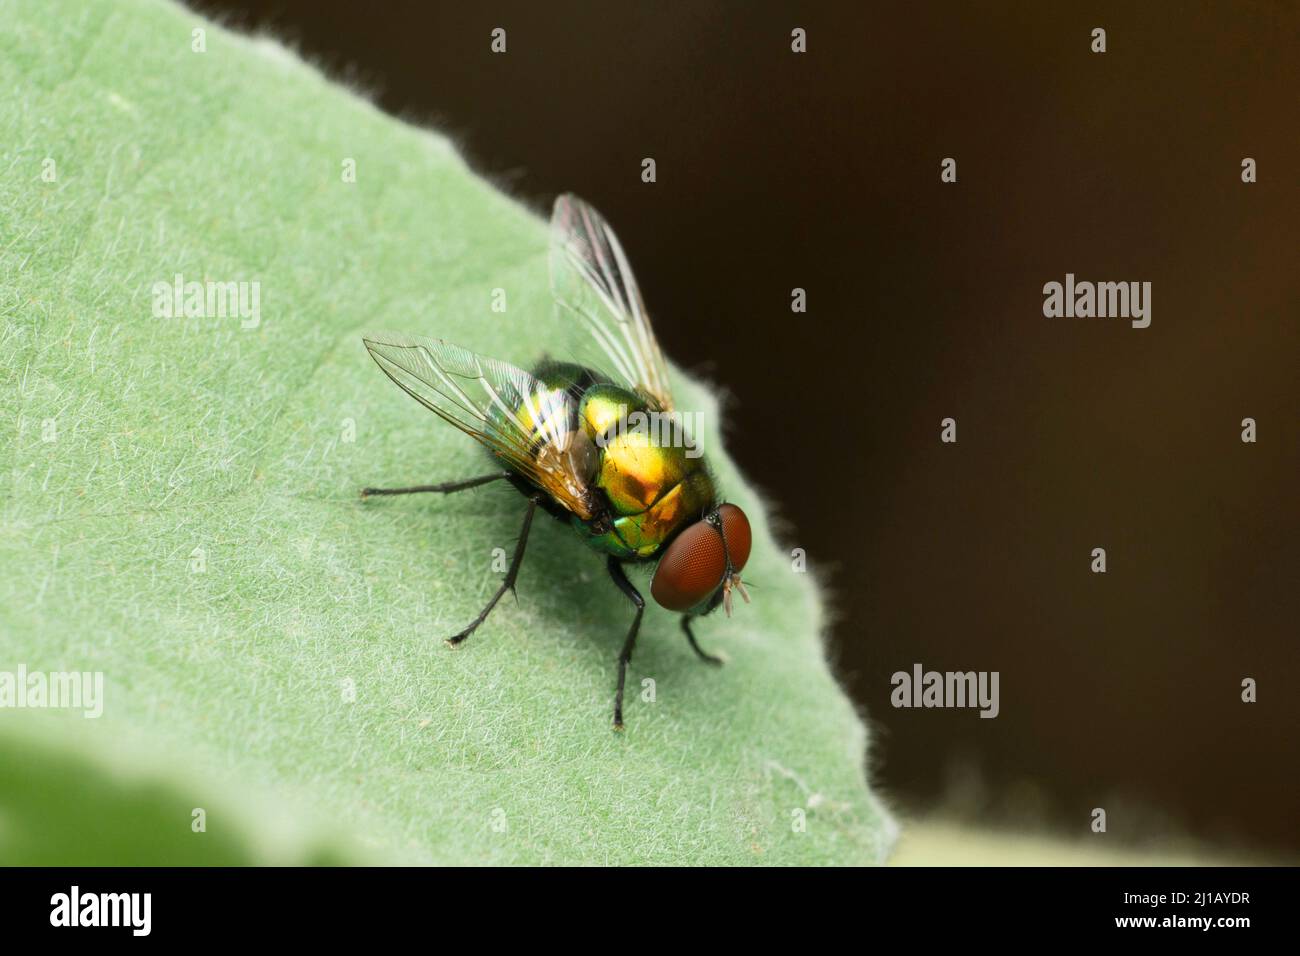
(730, 581)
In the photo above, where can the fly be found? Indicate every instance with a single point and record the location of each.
(560, 435)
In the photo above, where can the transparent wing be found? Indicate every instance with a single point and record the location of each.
(523, 422)
(592, 280)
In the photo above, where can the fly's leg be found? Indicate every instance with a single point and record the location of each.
(690, 636)
(625, 656)
(445, 488)
(509, 583)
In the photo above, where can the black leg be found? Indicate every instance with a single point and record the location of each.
(508, 584)
(620, 578)
(445, 488)
(690, 636)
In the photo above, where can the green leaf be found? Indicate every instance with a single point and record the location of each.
(181, 510)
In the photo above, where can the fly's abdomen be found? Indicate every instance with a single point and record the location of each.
(548, 417)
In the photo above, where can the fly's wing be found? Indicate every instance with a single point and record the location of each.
(591, 279)
(523, 422)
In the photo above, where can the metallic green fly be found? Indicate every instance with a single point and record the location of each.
(569, 437)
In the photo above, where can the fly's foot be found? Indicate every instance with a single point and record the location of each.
(457, 639)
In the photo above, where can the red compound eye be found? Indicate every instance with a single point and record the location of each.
(692, 567)
(736, 527)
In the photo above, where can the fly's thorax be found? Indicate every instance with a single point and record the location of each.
(647, 473)
(635, 474)
(644, 534)
(683, 504)
(643, 454)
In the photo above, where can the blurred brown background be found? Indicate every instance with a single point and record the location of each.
(821, 171)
